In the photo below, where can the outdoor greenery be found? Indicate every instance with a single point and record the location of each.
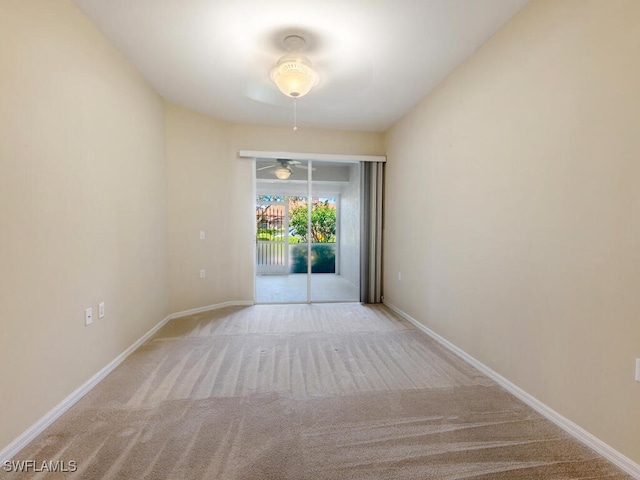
(267, 234)
(323, 222)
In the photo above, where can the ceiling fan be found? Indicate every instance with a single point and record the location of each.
(283, 167)
(292, 64)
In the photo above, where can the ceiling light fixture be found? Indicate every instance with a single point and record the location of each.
(293, 74)
(282, 172)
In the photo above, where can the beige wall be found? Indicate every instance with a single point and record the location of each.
(207, 188)
(513, 210)
(83, 207)
(211, 190)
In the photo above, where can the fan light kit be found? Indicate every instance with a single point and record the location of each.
(293, 74)
(282, 173)
(282, 167)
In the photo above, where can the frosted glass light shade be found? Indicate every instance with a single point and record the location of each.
(282, 173)
(294, 75)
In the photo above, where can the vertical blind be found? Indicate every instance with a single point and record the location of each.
(371, 192)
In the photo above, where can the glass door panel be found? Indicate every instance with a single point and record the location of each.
(281, 269)
(335, 233)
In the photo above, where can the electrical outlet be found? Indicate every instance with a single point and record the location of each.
(202, 273)
(399, 276)
(101, 310)
(88, 316)
(201, 234)
(637, 369)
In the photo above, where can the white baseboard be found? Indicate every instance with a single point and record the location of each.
(611, 454)
(193, 311)
(37, 428)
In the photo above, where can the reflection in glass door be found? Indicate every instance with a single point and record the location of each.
(308, 254)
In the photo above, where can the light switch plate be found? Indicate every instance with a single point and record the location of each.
(88, 316)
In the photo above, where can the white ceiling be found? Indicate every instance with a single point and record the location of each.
(376, 58)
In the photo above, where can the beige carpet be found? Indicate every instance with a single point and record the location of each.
(304, 392)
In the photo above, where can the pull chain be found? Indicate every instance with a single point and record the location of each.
(295, 115)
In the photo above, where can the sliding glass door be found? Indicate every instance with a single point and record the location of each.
(307, 231)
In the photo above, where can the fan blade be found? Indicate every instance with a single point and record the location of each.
(265, 168)
(305, 167)
(286, 161)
